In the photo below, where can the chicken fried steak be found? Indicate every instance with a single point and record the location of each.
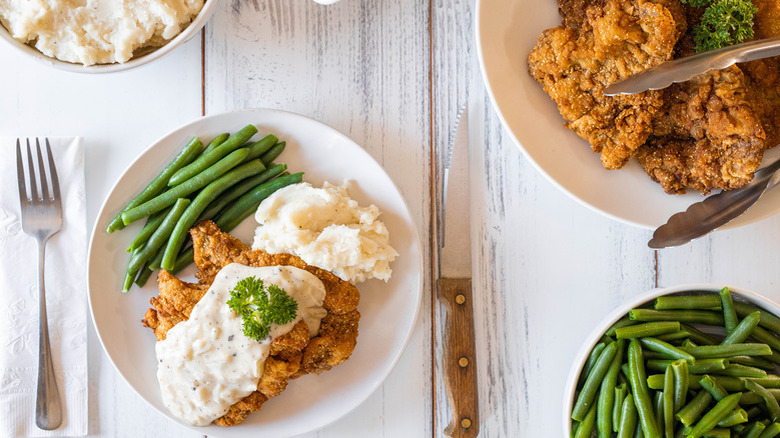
(293, 354)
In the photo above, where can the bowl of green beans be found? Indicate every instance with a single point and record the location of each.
(696, 360)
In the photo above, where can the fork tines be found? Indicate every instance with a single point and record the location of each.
(35, 196)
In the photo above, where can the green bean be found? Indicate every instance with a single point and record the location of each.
(156, 261)
(680, 372)
(768, 320)
(238, 190)
(688, 344)
(668, 403)
(769, 400)
(201, 201)
(184, 259)
(698, 336)
(216, 141)
(268, 157)
(205, 161)
(688, 316)
(755, 430)
(729, 314)
(674, 336)
(688, 302)
(774, 358)
(658, 409)
(710, 385)
(739, 429)
(617, 406)
(744, 329)
(666, 349)
(623, 322)
(771, 381)
(753, 361)
(735, 384)
(161, 234)
(751, 398)
(737, 370)
(737, 416)
(771, 431)
(151, 225)
(159, 183)
(607, 393)
(638, 433)
(248, 203)
(628, 418)
(701, 366)
(257, 149)
(753, 411)
(638, 380)
(198, 181)
(128, 282)
(717, 433)
(592, 382)
(143, 276)
(693, 410)
(764, 336)
(726, 351)
(647, 329)
(585, 428)
(716, 414)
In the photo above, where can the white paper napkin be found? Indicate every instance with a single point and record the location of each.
(65, 297)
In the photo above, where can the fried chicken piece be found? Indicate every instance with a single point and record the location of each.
(574, 65)
(707, 137)
(767, 19)
(291, 355)
(764, 93)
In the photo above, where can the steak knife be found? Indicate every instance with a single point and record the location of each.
(454, 288)
(680, 70)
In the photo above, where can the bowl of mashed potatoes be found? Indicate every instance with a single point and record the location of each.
(101, 36)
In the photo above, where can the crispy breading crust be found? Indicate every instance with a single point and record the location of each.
(293, 354)
(574, 64)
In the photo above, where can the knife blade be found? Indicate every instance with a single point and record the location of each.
(717, 210)
(454, 287)
(680, 70)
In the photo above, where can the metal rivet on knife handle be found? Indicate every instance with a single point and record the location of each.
(460, 298)
(465, 423)
(463, 362)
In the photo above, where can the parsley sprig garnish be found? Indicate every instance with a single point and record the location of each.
(723, 23)
(259, 307)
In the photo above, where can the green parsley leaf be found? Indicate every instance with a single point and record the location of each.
(259, 307)
(724, 22)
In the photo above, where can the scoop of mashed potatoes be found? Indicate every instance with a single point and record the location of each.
(96, 31)
(326, 228)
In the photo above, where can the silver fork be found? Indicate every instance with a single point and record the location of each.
(42, 218)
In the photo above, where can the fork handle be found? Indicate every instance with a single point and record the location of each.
(48, 409)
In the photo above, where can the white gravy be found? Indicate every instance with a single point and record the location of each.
(206, 364)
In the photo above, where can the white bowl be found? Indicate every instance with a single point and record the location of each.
(203, 16)
(579, 362)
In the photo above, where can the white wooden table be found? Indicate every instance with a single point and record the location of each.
(391, 75)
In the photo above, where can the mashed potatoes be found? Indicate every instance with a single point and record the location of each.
(96, 31)
(326, 228)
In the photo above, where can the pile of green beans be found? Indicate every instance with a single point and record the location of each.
(698, 365)
(225, 182)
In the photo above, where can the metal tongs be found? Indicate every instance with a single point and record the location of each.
(683, 69)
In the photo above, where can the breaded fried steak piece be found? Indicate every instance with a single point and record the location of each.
(575, 64)
(708, 136)
(291, 355)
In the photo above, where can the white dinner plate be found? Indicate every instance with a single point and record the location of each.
(507, 30)
(388, 309)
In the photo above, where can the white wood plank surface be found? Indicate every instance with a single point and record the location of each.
(391, 75)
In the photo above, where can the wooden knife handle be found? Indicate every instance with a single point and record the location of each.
(460, 362)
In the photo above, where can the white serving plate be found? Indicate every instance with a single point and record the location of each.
(507, 30)
(389, 310)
